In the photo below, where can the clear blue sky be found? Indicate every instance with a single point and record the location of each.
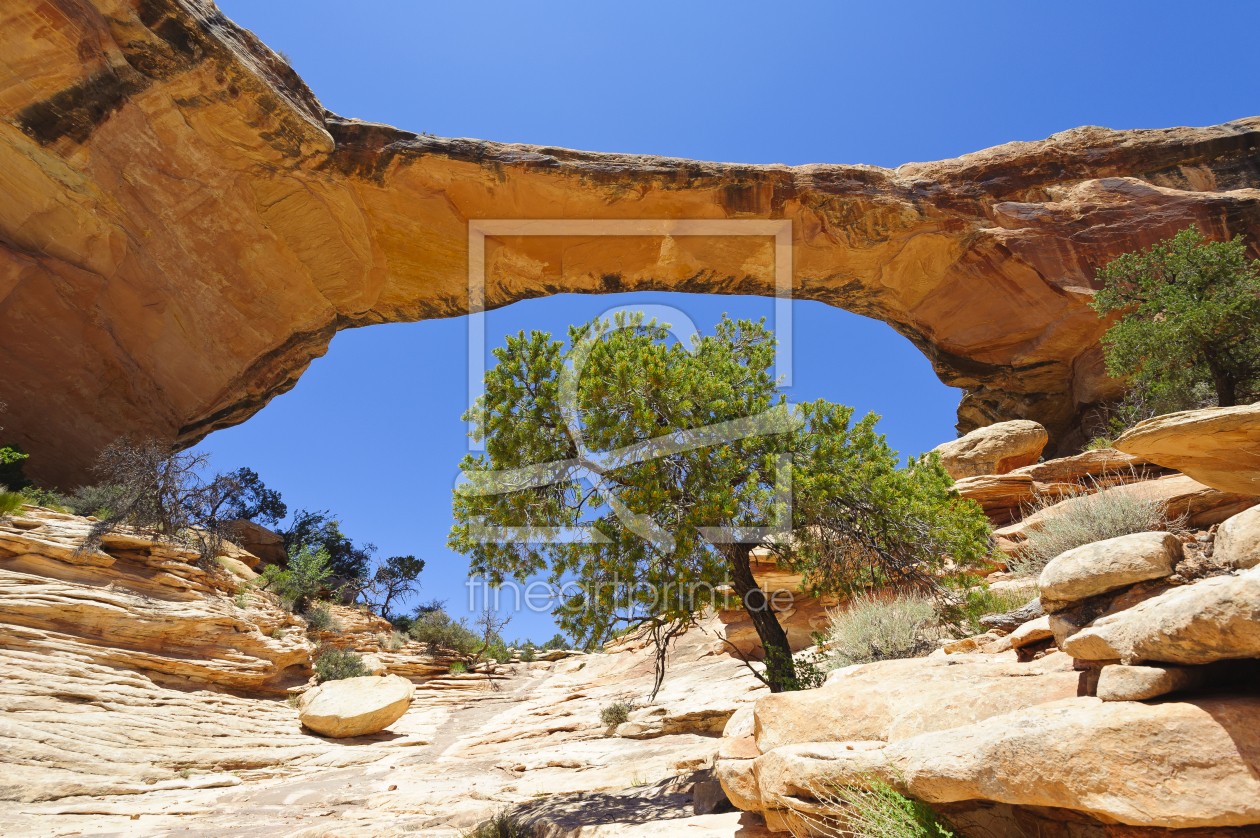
(372, 430)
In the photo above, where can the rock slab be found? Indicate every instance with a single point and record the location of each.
(1238, 540)
(1217, 446)
(1215, 619)
(993, 449)
(1109, 565)
(355, 706)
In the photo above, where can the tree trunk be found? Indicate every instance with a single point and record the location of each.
(1226, 384)
(780, 674)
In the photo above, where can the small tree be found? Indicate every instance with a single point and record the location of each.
(152, 488)
(320, 529)
(394, 579)
(302, 580)
(686, 451)
(1189, 315)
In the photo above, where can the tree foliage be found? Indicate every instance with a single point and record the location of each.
(320, 529)
(1189, 316)
(394, 579)
(296, 585)
(632, 435)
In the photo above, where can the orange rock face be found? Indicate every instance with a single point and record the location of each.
(184, 227)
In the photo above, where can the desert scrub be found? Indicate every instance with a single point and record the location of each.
(1084, 518)
(458, 668)
(874, 629)
(876, 810)
(319, 617)
(333, 664)
(292, 700)
(391, 642)
(10, 502)
(436, 630)
(976, 600)
(277, 633)
(502, 824)
(616, 713)
(47, 498)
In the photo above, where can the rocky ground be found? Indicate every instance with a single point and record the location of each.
(145, 694)
(140, 698)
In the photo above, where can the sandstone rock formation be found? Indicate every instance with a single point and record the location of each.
(1105, 566)
(1238, 540)
(1215, 619)
(355, 706)
(184, 228)
(994, 449)
(1217, 446)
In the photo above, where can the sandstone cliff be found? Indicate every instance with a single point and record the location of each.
(184, 227)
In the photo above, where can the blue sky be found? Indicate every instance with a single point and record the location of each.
(372, 431)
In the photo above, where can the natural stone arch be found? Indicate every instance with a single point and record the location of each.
(185, 227)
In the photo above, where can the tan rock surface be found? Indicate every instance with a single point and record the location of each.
(1107, 565)
(893, 700)
(88, 729)
(1238, 540)
(173, 155)
(1213, 619)
(1218, 446)
(355, 706)
(994, 449)
(1137, 683)
(1186, 764)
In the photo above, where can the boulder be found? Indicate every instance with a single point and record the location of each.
(373, 665)
(1136, 683)
(897, 699)
(355, 706)
(1214, 619)
(261, 542)
(1031, 632)
(1218, 446)
(993, 449)
(1238, 540)
(1176, 764)
(1108, 565)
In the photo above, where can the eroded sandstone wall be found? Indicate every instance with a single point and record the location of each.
(183, 228)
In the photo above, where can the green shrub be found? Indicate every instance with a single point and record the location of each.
(277, 633)
(333, 664)
(527, 653)
(557, 641)
(1084, 519)
(10, 502)
(301, 580)
(502, 824)
(47, 498)
(616, 713)
(391, 642)
(977, 599)
(95, 501)
(241, 600)
(873, 629)
(436, 630)
(873, 810)
(458, 668)
(319, 617)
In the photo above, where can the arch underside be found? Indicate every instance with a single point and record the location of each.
(184, 228)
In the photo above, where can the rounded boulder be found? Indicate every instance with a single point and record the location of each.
(355, 706)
